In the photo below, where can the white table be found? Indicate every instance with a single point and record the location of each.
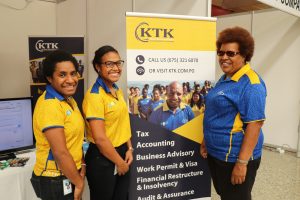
(15, 181)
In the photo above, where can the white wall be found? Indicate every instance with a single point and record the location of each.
(277, 40)
(38, 18)
(71, 17)
(276, 59)
(71, 21)
(105, 22)
(106, 26)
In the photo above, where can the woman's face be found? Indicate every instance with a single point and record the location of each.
(230, 65)
(185, 89)
(64, 79)
(196, 98)
(109, 70)
(132, 90)
(156, 95)
(145, 93)
(137, 91)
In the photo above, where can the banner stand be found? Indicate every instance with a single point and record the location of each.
(163, 51)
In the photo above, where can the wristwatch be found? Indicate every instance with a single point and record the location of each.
(243, 162)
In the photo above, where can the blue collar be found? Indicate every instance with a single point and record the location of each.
(236, 77)
(166, 107)
(101, 83)
(51, 93)
(224, 78)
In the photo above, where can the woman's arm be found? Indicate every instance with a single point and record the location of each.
(105, 146)
(249, 142)
(63, 158)
(83, 167)
(129, 153)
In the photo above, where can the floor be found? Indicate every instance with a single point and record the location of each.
(278, 177)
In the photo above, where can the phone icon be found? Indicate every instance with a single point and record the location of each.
(140, 59)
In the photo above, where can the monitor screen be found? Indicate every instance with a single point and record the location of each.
(16, 124)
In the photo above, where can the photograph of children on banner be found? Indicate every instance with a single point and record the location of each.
(169, 104)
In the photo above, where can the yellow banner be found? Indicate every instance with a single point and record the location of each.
(170, 34)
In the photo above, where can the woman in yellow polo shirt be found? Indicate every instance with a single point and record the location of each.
(59, 130)
(108, 130)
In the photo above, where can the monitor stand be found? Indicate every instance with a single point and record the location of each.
(7, 156)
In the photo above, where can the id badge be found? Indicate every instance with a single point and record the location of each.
(67, 186)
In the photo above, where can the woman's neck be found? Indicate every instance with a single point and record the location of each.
(109, 84)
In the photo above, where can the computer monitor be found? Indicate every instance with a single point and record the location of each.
(15, 126)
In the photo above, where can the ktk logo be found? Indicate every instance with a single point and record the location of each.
(42, 46)
(146, 33)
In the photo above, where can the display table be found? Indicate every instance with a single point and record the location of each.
(15, 181)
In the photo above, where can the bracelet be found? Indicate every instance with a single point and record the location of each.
(243, 162)
(131, 149)
(83, 164)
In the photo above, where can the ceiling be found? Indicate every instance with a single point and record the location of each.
(224, 7)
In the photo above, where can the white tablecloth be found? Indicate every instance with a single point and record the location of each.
(15, 182)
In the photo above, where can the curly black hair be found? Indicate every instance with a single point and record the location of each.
(49, 63)
(240, 36)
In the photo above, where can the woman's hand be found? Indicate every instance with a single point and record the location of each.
(122, 168)
(203, 151)
(238, 175)
(83, 171)
(78, 191)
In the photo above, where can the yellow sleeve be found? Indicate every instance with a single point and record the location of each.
(50, 115)
(93, 106)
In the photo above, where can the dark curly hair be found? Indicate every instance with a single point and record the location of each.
(240, 36)
(100, 53)
(49, 63)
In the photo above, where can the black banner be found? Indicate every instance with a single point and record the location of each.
(40, 47)
(166, 165)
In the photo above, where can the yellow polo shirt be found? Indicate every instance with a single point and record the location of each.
(135, 100)
(186, 98)
(52, 111)
(99, 104)
(198, 111)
